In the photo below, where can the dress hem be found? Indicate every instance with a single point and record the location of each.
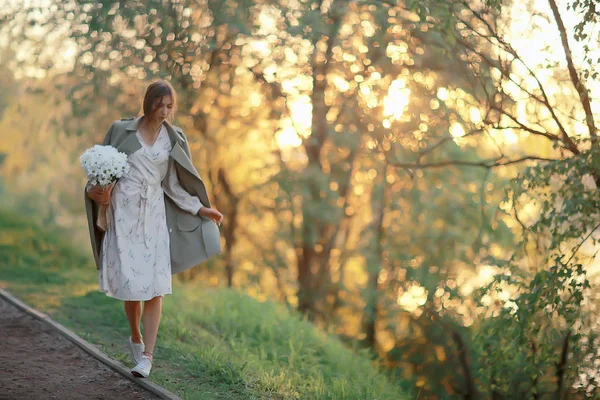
(108, 294)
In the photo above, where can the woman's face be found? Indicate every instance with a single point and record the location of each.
(162, 108)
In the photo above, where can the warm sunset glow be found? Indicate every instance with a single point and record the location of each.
(457, 130)
(397, 99)
(505, 136)
(413, 298)
(287, 137)
(298, 124)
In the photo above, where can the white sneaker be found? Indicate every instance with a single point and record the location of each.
(136, 350)
(142, 370)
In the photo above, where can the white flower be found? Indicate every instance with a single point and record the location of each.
(103, 164)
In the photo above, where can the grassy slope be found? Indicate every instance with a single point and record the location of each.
(212, 344)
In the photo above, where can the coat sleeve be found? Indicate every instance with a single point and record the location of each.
(178, 194)
(96, 235)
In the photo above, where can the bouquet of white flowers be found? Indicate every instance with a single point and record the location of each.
(103, 166)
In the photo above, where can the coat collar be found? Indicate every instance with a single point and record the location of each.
(133, 125)
(131, 144)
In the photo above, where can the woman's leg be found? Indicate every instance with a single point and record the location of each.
(152, 311)
(133, 309)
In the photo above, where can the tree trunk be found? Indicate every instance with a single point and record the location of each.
(305, 292)
(374, 261)
(230, 208)
(313, 228)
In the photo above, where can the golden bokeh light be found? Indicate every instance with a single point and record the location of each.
(397, 99)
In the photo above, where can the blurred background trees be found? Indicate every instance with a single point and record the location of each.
(419, 176)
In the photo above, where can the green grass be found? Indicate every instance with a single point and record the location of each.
(212, 343)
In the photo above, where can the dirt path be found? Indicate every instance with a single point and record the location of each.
(37, 362)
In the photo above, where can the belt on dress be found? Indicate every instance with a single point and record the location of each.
(145, 194)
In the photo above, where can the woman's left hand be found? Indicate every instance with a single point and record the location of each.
(212, 214)
(100, 194)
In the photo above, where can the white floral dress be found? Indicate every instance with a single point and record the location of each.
(136, 261)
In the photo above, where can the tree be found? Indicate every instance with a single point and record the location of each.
(532, 343)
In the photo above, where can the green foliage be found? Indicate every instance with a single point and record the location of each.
(589, 16)
(539, 331)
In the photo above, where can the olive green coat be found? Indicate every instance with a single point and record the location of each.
(193, 238)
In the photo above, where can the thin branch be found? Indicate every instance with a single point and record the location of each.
(524, 127)
(509, 49)
(524, 228)
(576, 248)
(480, 18)
(493, 163)
(493, 139)
(429, 149)
(566, 140)
(579, 85)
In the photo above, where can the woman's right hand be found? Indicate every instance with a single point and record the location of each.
(211, 213)
(99, 194)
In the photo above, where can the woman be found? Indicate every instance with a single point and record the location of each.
(160, 220)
